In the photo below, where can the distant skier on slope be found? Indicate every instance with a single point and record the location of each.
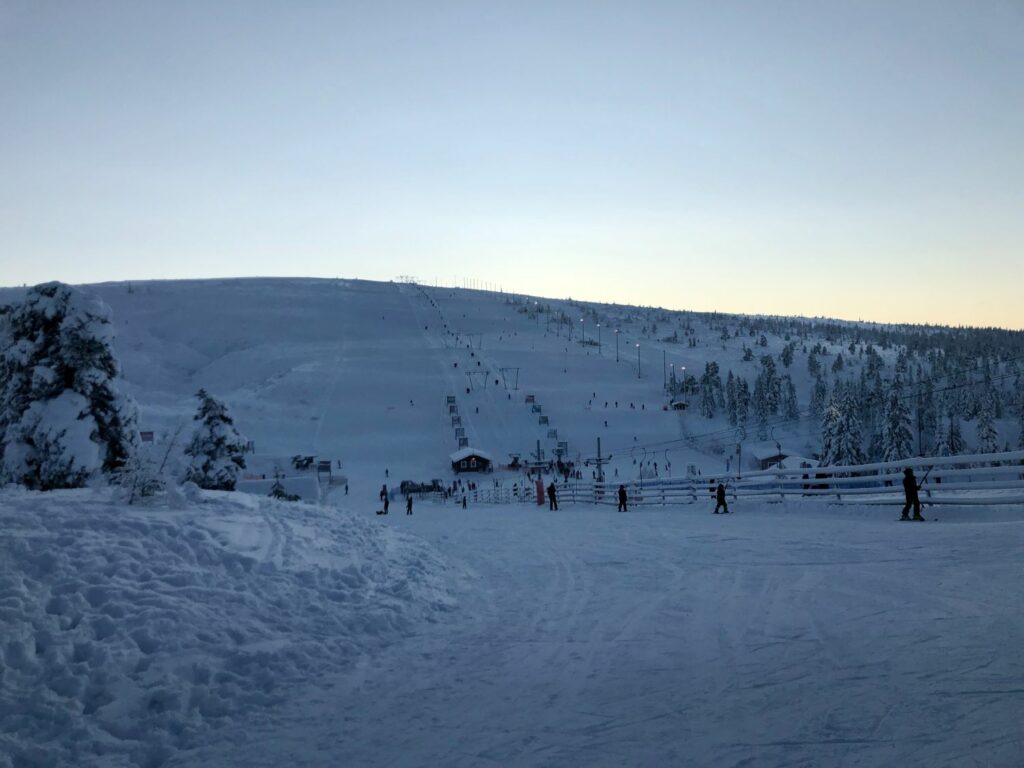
(720, 499)
(552, 498)
(910, 488)
(622, 498)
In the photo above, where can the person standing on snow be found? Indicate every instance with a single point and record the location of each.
(622, 498)
(910, 488)
(408, 504)
(720, 499)
(552, 498)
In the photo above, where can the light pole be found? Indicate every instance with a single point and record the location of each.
(583, 332)
(638, 359)
(616, 345)
(672, 378)
(599, 338)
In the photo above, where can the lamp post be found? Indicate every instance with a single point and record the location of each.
(638, 359)
(583, 332)
(616, 345)
(682, 376)
(599, 338)
(672, 378)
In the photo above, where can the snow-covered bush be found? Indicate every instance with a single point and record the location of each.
(217, 450)
(62, 418)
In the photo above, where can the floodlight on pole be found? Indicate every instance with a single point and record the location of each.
(616, 345)
(599, 338)
(638, 359)
(583, 331)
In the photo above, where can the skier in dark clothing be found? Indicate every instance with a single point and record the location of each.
(552, 498)
(720, 500)
(408, 505)
(622, 498)
(910, 488)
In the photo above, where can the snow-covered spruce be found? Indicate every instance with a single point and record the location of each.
(62, 418)
(217, 450)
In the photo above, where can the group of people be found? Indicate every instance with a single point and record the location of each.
(911, 490)
(386, 498)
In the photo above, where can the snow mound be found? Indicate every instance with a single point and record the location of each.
(128, 634)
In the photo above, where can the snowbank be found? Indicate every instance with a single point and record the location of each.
(128, 634)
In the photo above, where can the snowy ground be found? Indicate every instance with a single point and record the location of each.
(778, 636)
(128, 634)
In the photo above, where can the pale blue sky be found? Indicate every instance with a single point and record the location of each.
(853, 159)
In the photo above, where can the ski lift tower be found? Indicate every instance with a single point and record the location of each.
(509, 376)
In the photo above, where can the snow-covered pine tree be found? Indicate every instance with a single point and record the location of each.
(769, 380)
(841, 438)
(62, 418)
(217, 450)
(897, 439)
(988, 436)
(790, 406)
(819, 397)
(742, 400)
(760, 403)
(708, 382)
(730, 398)
(951, 440)
(813, 366)
(1020, 420)
(787, 355)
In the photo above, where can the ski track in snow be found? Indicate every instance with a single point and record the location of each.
(585, 637)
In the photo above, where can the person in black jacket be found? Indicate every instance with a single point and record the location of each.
(910, 488)
(408, 504)
(720, 500)
(552, 498)
(622, 498)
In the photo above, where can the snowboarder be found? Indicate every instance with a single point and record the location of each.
(408, 504)
(552, 498)
(910, 488)
(720, 499)
(622, 498)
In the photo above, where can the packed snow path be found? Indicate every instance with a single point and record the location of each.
(800, 636)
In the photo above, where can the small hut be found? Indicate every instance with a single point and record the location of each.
(471, 460)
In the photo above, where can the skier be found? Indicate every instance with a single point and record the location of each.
(408, 504)
(622, 498)
(720, 499)
(552, 498)
(463, 502)
(910, 488)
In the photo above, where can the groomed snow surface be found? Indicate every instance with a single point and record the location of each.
(239, 632)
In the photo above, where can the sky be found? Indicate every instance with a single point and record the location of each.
(860, 160)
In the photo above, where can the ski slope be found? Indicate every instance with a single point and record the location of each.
(775, 636)
(359, 371)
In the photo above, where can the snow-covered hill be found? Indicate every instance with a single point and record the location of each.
(360, 371)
